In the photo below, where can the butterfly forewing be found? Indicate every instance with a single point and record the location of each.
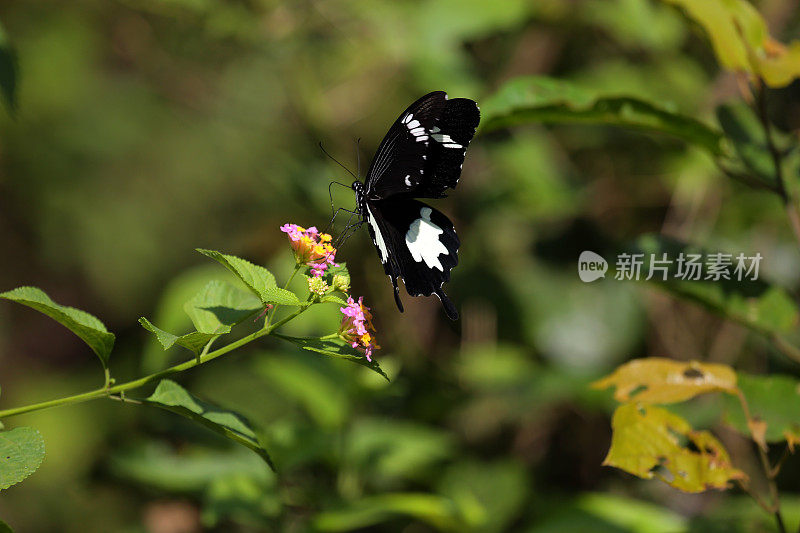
(399, 163)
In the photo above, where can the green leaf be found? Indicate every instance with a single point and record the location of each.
(749, 140)
(393, 449)
(493, 493)
(171, 396)
(761, 307)
(81, 323)
(332, 298)
(220, 305)
(5, 528)
(334, 348)
(536, 99)
(194, 341)
(189, 469)
(437, 511)
(257, 278)
(21, 453)
(772, 400)
(9, 71)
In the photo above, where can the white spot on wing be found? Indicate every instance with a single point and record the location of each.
(422, 240)
(379, 242)
(408, 180)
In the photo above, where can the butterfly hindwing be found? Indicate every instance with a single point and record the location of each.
(416, 243)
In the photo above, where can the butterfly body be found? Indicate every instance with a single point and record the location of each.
(420, 157)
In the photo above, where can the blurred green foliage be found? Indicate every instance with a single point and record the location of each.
(145, 129)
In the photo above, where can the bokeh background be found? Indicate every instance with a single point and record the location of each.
(148, 128)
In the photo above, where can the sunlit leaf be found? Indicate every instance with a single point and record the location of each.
(21, 453)
(741, 41)
(647, 441)
(773, 401)
(334, 348)
(257, 278)
(437, 511)
(660, 380)
(81, 323)
(535, 99)
(220, 305)
(171, 396)
(194, 341)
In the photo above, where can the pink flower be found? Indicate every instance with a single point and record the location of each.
(356, 326)
(311, 248)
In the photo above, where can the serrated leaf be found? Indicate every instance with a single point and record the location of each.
(660, 380)
(773, 401)
(764, 308)
(194, 341)
(436, 510)
(81, 323)
(220, 305)
(21, 453)
(332, 298)
(333, 348)
(646, 442)
(171, 396)
(257, 278)
(537, 99)
(741, 40)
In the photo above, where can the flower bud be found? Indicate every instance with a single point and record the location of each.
(341, 282)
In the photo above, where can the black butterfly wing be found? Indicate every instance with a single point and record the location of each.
(423, 152)
(399, 163)
(416, 243)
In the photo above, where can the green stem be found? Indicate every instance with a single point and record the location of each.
(107, 391)
(297, 268)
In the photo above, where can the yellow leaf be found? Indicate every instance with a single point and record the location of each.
(647, 442)
(741, 41)
(660, 380)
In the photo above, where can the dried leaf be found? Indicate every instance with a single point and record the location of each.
(660, 380)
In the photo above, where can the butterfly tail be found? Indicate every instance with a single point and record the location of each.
(449, 308)
(397, 296)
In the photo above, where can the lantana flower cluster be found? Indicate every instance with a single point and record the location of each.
(356, 326)
(314, 249)
(311, 248)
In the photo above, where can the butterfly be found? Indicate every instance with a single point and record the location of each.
(420, 157)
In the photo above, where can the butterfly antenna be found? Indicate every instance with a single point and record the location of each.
(358, 156)
(336, 161)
